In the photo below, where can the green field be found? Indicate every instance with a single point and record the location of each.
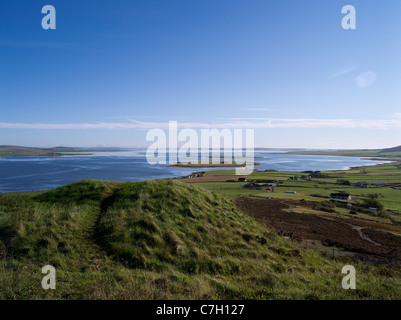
(389, 194)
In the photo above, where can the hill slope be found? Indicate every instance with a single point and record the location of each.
(161, 240)
(7, 151)
(395, 149)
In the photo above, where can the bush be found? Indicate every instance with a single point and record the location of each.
(373, 203)
(343, 182)
(316, 174)
(383, 214)
(325, 206)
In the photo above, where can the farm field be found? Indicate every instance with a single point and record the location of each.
(389, 193)
(302, 208)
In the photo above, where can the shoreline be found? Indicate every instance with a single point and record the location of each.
(56, 154)
(211, 165)
(222, 169)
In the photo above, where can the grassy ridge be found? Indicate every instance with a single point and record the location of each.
(162, 240)
(188, 228)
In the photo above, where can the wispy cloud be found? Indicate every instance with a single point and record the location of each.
(342, 72)
(231, 123)
(366, 79)
(312, 123)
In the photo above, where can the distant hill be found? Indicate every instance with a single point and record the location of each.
(9, 150)
(394, 149)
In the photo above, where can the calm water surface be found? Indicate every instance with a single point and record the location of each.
(42, 173)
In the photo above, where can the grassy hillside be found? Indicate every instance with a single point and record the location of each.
(162, 240)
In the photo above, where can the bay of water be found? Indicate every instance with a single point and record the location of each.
(42, 173)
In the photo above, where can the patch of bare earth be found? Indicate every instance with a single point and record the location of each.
(351, 235)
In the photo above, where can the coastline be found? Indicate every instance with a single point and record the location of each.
(207, 178)
(212, 165)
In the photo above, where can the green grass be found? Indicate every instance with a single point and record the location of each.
(389, 194)
(162, 240)
(231, 190)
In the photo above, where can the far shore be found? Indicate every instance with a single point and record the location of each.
(212, 165)
(17, 151)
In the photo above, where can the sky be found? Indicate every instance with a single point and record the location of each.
(112, 70)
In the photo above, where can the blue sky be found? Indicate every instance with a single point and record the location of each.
(113, 69)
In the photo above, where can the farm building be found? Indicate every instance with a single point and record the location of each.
(340, 196)
(196, 175)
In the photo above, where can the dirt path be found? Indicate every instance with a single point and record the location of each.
(92, 255)
(364, 236)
